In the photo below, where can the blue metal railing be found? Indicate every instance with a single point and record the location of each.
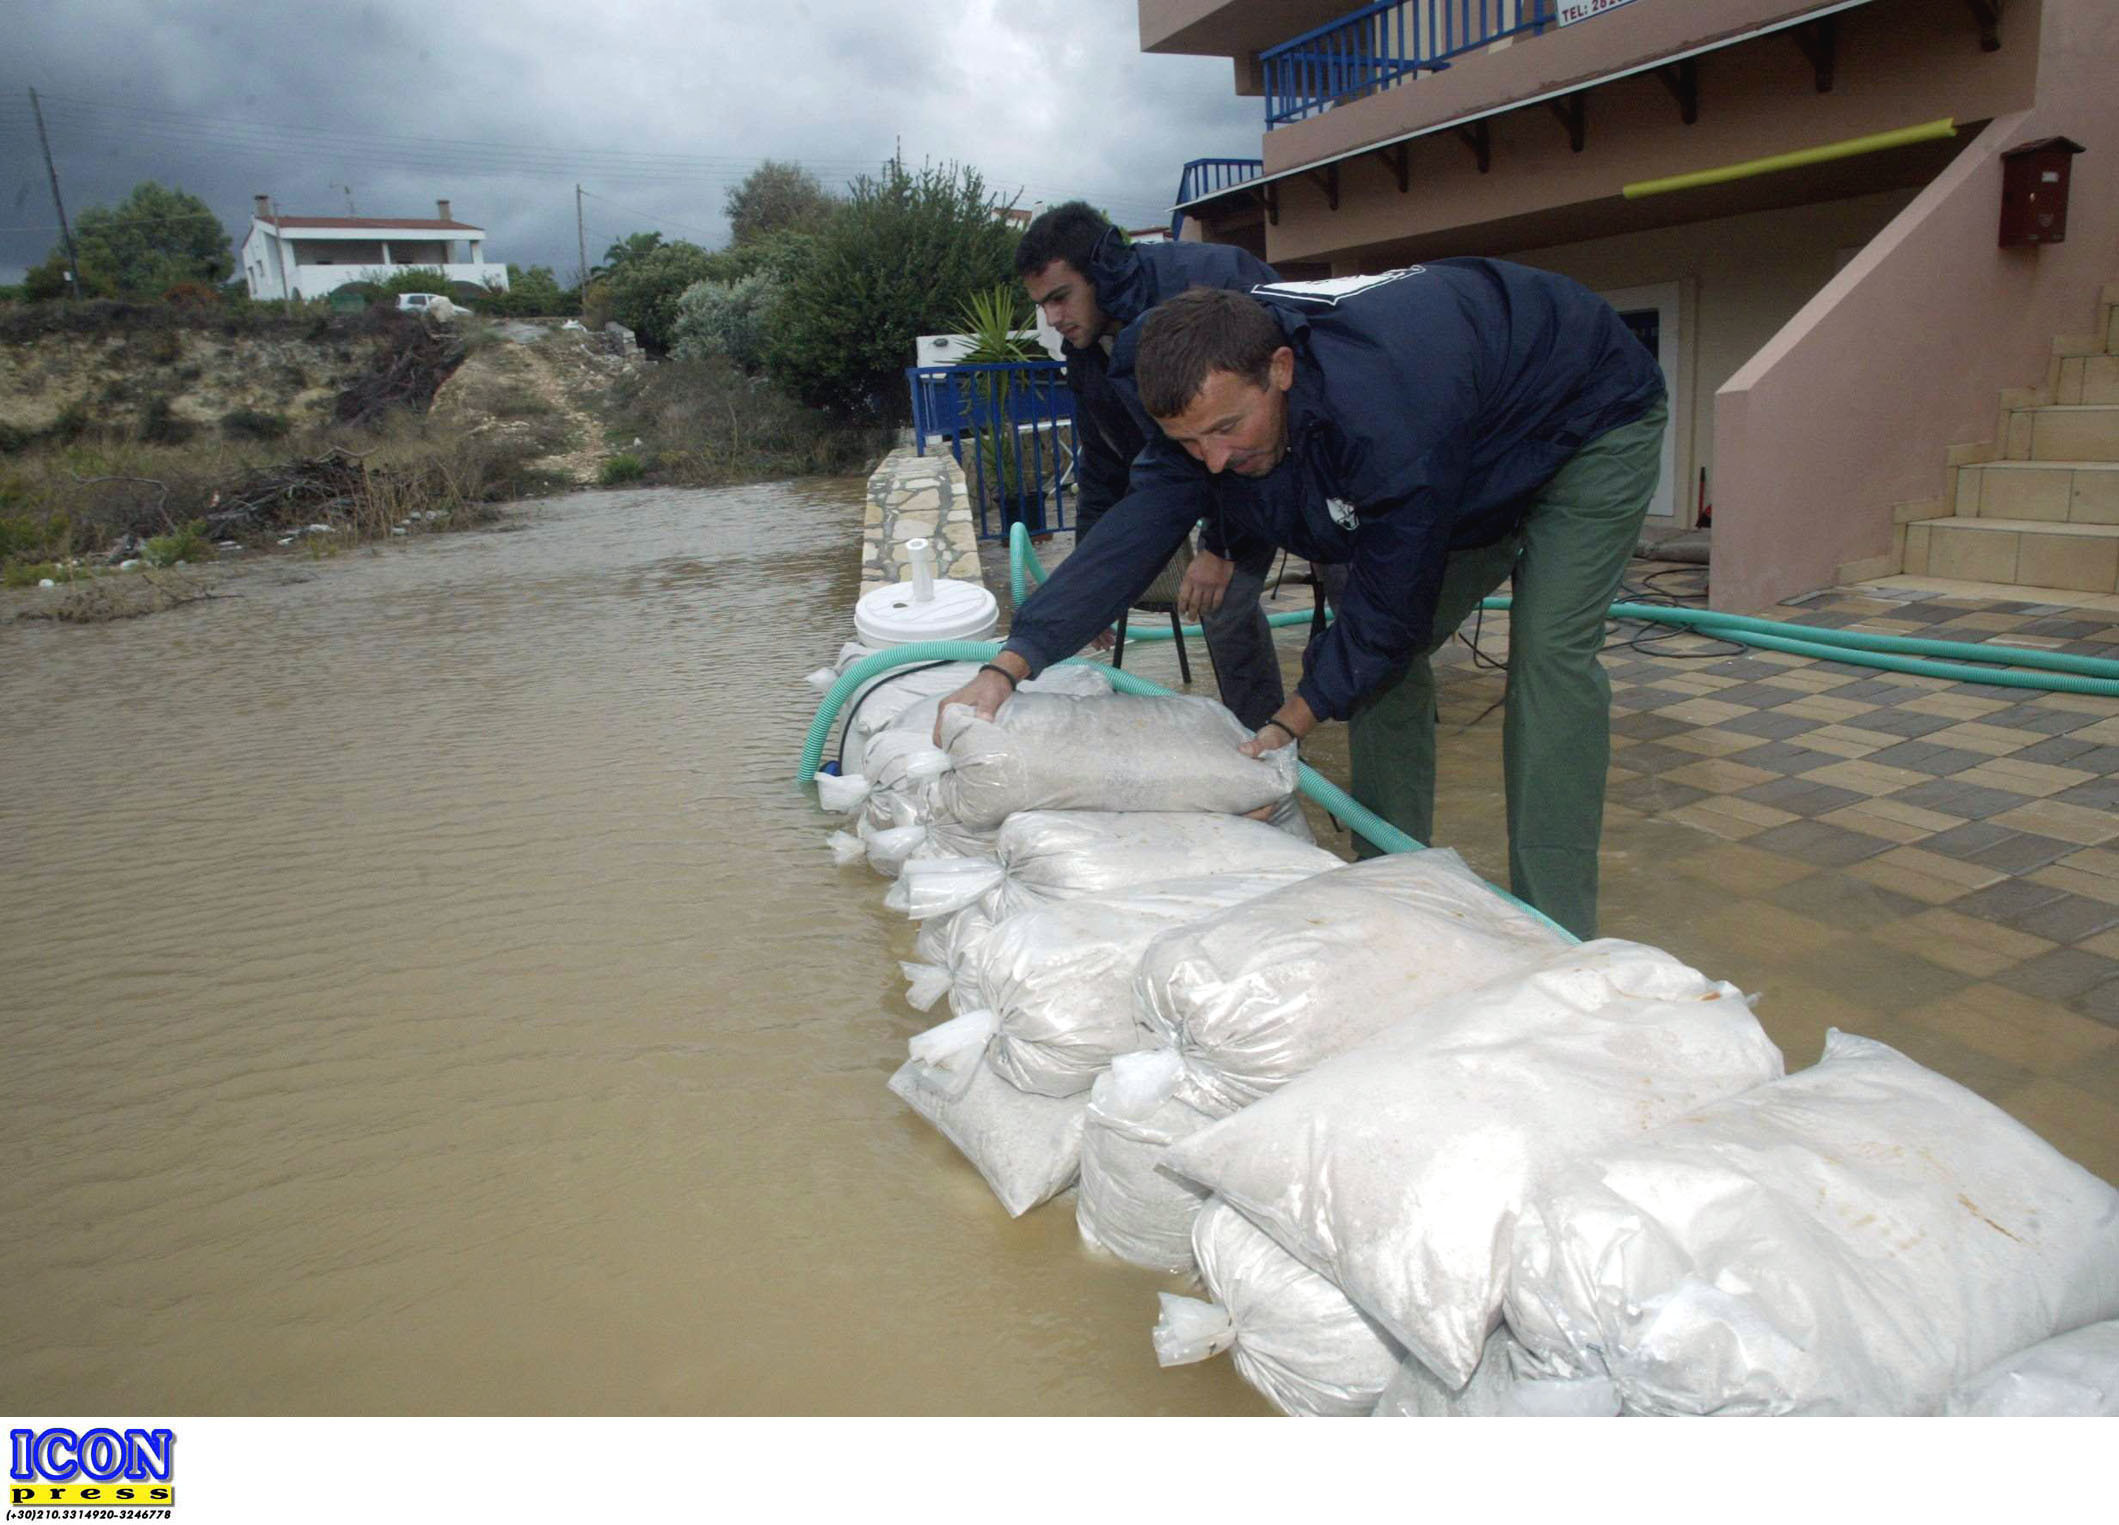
(1011, 427)
(1379, 45)
(1203, 177)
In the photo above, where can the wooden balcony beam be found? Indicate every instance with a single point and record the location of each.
(1987, 13)
(1571, 110)
(1819, 43)
(1480, 140)
(1327, 180)
(1682, 80)
(1398, 160)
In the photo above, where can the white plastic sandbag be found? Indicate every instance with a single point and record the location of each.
(1060, 976)
(1295, 1336)
(1041, 856)
(1496, 1391)
(1027, 1147)
(1856, 1239)
(1120, 752)
(1258, 994)
(900, 819)
(946, 943)
(1127, 1204)
(1399, 1167)
(2073, 1374)
(908, 697)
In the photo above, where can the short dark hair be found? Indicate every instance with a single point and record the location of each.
(1207, 328)
(1070, 231)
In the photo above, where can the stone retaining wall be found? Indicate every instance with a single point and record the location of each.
(913, 496)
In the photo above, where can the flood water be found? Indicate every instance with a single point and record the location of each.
(426, 992)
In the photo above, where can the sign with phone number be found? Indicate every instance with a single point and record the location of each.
(1572, 11)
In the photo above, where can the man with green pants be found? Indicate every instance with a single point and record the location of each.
(1439, 430)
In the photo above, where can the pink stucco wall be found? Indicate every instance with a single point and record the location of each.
(1852, 406)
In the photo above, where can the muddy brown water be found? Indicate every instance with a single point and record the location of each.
(427, 993)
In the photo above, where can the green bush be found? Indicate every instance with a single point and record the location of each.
(897, 259)
(532, 293)
(621, 468)
(643, 291)
(160, 425)
(417, 278)
(727, 318)
(250, 423)
(188, 543)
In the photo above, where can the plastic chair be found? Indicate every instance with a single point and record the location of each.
(1161, 598)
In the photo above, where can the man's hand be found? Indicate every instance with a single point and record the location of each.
(1294, 721)
(1206, 580)
(988, 691)
(1104, 639)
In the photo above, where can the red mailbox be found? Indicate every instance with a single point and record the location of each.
(2034, 181)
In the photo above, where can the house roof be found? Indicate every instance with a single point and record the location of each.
(422, 224)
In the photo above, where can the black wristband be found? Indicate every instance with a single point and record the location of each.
(1284, 730)
(1013, 681)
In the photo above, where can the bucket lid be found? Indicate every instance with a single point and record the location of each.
(959, 611)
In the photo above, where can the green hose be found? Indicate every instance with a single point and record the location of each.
(1860, 648)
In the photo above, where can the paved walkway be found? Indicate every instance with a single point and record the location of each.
(1932, 864)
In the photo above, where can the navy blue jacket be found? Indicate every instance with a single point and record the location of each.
(1429, 406)
(1129, 280)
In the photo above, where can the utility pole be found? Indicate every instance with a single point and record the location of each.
(73, 263)
(581, 238)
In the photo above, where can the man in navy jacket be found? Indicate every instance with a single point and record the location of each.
(1440, 429)
(1092, 284)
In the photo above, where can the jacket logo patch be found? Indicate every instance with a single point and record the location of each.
(1342, 512)
(1331, 293)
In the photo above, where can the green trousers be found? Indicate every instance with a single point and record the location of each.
(1567, 562)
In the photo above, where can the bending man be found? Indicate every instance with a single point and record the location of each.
(1093, 286)
(1440, 429)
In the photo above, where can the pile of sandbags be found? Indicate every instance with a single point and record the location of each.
(1424, 1154)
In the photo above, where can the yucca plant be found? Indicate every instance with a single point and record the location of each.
(1000, 335)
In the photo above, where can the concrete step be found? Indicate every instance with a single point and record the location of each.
(2063, 432)
(2087, 379)
(2063, 492)
(2039, 553)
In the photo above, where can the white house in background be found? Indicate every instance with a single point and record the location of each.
(314, 256)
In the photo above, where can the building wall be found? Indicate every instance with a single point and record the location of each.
(1742, 279)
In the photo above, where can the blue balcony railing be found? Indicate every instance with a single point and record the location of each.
(1380, 45)
(1011, 427)
(1203, 177)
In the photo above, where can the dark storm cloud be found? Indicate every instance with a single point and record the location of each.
(655, 106)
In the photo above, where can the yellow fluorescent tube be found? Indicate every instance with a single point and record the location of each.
(1847, 149)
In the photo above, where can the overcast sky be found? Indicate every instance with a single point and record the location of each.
(655, 106)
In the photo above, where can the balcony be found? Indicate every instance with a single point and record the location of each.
(1210, 177)
(1383, 45)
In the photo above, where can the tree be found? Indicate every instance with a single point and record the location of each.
(630, 247)
(726, 318)
(898, 258)
(643, 289)
(776, 197)
(152, 240)
(533, 293)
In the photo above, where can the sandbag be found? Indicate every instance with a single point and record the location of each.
(1060, 977)
(2073, 1374)
(1041, 856)
(1122, 752)
(1496, 1391)
(945, 943)
(1127, 1205)
(908, 697)
(1294, 1335)
(1027, 1147)
(1258, 994)
(1399, 1167)
(899, 818)
(1856, 1239)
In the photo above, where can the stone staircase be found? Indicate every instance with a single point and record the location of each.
(2038, 506)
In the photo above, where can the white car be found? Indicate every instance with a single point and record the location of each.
(421, 301)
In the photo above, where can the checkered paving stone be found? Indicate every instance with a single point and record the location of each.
(1932, 864)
